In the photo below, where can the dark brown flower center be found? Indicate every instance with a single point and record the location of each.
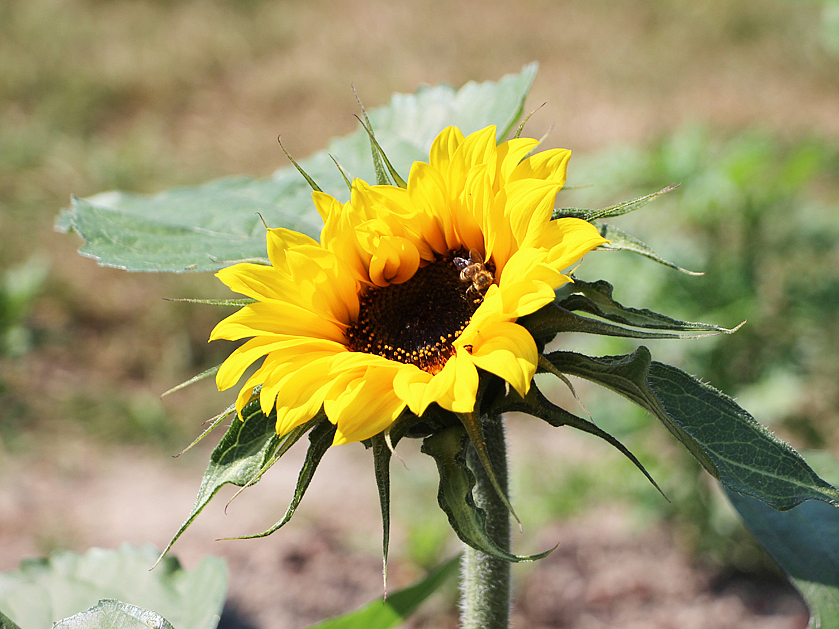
(418, 321)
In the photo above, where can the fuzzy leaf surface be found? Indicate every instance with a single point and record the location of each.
(43, 591)
(723, 437)
(619, 209)
(207, 227)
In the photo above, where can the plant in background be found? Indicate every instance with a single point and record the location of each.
(424, 310)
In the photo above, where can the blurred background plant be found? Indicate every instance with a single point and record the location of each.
(736, 101)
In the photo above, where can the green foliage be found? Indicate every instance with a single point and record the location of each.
(217, 224)
(757, 215)
(19, 286)
(249, 447)
(448, 448)
(803, 542)
(397, 607)
(43, 591)
(222, 221)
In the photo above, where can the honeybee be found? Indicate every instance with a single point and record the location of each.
(472, 270)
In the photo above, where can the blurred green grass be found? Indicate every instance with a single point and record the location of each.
(733, 100)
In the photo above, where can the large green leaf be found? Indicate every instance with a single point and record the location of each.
(205, 227)
(728, 441)
(42, 591)
(804, 541)
(395, 610)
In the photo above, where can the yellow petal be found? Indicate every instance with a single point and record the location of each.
(546, 166)
(365, 407)
(275, 317)
(428, 193)
(510, 154)
(395, 261)
(529, 207)
(568, 240)
(280, 239)
(508, 351)
(444, 146)
(256, 281)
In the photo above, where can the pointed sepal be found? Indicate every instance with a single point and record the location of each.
(536, 404)
(620, 240)
(472, 422)
(320, 439)
(448, 449)
(238, 458)
(619, 209)
(613, 318)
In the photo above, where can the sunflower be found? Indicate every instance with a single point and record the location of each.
(410, 291)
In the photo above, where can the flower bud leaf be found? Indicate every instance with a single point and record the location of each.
(729, 443)
(448, 449)
(381, 469)
(624, 207)
(472, 422)
(240, 457)
(547, 322)
(620, 240)
(536, 404)
(204, 374)
(320, 439)
(595, 298)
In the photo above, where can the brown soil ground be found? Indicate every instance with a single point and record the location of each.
(609, 570)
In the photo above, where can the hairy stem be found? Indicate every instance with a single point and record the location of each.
(485, 581)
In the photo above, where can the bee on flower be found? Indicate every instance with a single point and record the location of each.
(374, 318)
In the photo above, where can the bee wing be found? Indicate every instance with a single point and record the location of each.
(475, 256)
(460, 263)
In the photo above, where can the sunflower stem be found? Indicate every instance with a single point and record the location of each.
(485, 581)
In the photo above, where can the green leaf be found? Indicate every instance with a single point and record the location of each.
(803, 541)
(723, 437)
(536, 404)
(624, 207)
(42, 591)
(320, 439)
(381, 467)
(6, 622)
(111, 614)
(547, 322)
(619, 240)
(207, 227)
(239, 458)
(595, 298)
(473, 424)
(448, 449)
(395, 610)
